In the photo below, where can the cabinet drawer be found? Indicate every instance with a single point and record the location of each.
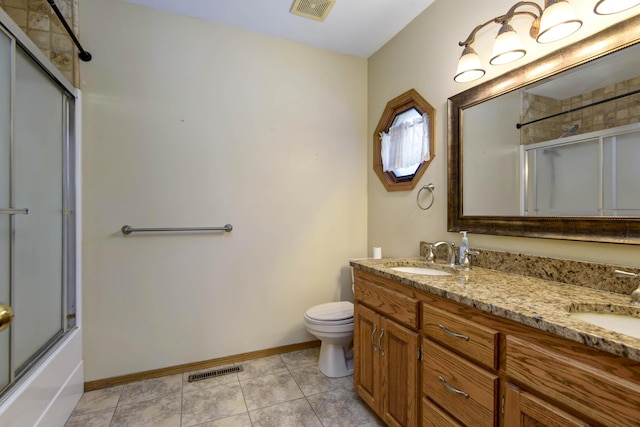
(390, 303)
(591, 392)
(463, 389)
(474, 341)
(432, 416)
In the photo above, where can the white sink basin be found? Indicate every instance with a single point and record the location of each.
(621, 323)
(421, 270)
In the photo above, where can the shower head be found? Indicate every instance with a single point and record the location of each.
(572, 129)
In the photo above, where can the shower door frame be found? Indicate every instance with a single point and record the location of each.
(45, 393)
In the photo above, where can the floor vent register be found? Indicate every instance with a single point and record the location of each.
(214, 373)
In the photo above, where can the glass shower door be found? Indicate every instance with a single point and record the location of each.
(5, 199)
(37, 185)
(35, 211)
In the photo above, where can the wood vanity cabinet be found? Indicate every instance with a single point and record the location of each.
(523, 409)
(386, 354)
(459, 358)
(478, 369)
(589, 386)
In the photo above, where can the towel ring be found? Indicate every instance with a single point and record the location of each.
(429, 187)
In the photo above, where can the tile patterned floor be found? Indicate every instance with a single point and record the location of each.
(276, 391)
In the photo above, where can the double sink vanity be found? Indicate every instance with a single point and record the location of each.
(440, 346)
(517, 340)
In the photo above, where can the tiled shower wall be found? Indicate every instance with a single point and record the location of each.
(619, 112)
(38, 20)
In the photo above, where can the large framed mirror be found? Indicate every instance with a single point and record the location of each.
(552, 149)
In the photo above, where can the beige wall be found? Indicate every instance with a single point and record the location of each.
(424, 56)
(188, 123)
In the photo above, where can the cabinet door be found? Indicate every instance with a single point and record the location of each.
(399, 357)
(525, 410)
(366, 372)
(594, 393)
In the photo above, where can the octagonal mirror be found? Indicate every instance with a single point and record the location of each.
(404, 141)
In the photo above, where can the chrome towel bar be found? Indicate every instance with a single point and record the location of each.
(127, 229)
(13, 211)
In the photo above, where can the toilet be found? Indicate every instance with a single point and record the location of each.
(332, 324)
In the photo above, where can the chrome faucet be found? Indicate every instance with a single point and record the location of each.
(431, 258)
(465, 262)
(635, 295)
(451, 257)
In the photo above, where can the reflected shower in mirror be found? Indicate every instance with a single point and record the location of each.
(552, 149)
(564, 146)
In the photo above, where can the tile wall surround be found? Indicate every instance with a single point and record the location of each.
(620, 112)
(580, 273)
(38, 20)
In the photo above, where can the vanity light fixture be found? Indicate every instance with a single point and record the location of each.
(555, 22)
(609, 7)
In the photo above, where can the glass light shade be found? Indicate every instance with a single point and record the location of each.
(609, 7)
(469, 66)
(507, 47)
(557, 22)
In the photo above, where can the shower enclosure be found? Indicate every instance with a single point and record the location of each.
(593, 174)
(37, 235)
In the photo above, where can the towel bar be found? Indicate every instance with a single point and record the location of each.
(127, 229)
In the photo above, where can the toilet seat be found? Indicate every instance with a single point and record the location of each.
(332, 323)
(332, 313)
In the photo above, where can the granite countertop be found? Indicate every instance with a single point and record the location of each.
(537, 303)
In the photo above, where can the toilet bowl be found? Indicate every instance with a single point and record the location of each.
(332, 324)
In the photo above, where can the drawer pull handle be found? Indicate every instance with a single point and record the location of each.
(452, 389)
(380, 342)
(453, 334)
(373, 343)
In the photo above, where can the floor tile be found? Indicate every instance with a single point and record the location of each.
(269, 390)
(209, 382)
(92, 419)
(159, 412)
(151, 389)
(263, 366)
(297, 359)
(377, 423)
(295, 413)
(212, 404)
(311, 381)
(98, 400)
(241, 420)
(341, 408)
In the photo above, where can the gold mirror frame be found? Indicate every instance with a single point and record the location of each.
(408, 100)
(594, 229)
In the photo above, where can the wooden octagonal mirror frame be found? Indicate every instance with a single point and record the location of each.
(411, 99)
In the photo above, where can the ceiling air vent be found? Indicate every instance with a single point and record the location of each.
(312, 9)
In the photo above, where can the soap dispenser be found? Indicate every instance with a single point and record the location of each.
(463, 246)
